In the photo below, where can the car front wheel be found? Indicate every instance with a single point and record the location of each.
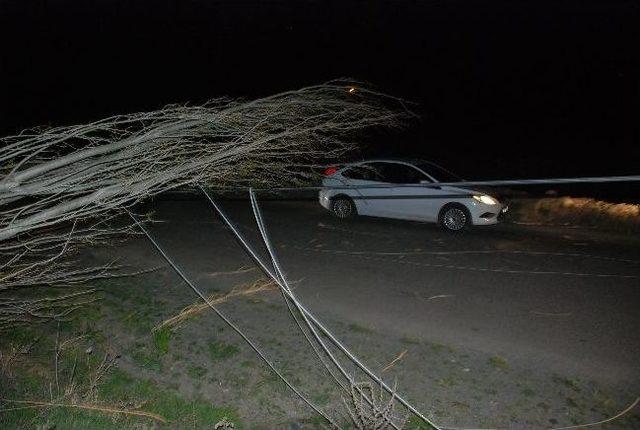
(343, 207)
(454, 217)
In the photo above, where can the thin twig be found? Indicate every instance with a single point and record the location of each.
(57, 355)
(597, 423)
(258, 286)
(394, 361)
(37, 404)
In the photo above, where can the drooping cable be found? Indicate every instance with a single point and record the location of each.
(228, 321)
(463, 184)
(278, 271)
(312, 318)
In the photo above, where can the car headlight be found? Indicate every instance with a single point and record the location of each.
(487, 200)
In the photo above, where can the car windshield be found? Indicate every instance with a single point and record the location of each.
(438, 173)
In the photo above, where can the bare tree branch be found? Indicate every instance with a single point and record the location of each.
(62, 188)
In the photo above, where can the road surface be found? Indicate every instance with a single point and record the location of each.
(563, 300)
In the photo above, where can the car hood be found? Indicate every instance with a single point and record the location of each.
(460, 190)
(493, 192)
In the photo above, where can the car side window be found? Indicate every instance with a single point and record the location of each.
(397, 173)
(354, 173)
(365, 172)
(377, 172)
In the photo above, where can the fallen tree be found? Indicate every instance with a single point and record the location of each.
(60, 188)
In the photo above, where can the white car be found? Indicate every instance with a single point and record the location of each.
(397, 189)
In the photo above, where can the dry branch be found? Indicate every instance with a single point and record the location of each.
(32, 404)
(72, 391)
(18, 311)
(63, 188)
(216, 298)
(394, 361)
(379, 414)
(82, 171)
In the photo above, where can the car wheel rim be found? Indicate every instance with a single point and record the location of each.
(455, 219)
(342, 208)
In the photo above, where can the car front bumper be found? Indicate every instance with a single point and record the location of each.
(489, 214)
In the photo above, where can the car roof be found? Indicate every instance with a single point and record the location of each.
(386, 160)
(414, 162)
(411, 161)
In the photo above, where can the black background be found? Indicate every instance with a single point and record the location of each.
(504, 88)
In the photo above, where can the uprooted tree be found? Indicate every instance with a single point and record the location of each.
(63, 188)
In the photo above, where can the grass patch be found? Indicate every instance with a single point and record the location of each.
(18, 336)
(528, 392)
(179, 412)
(196, 372)
(622, 217)
(321, 399)
(149, 360)
(409, 340)
(415, 423)
(498, 362)
(357, 328)
(447, 382)
(573, 383)
(65, 418)
(440, 347)
(88, 375)
(316, 421)
(219, 350)
(161, 340)
(31, 380)
(138, 321)
(271, 383)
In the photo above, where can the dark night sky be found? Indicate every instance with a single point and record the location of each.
(505, 88)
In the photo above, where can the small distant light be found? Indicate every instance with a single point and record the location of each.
(352, 90)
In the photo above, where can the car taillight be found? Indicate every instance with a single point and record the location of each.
(330, 171)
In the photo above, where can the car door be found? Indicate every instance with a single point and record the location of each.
(388, 200)
(409, 199)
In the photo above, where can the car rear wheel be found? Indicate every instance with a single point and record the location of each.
(454, 217)
(343, 207)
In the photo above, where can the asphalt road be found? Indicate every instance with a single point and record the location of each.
(562, 300)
